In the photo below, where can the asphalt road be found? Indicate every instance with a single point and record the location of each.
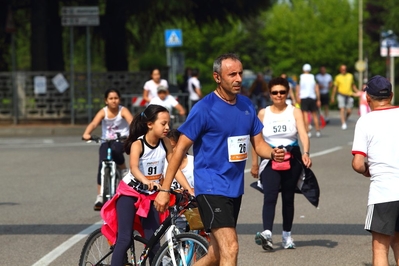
(48, 189)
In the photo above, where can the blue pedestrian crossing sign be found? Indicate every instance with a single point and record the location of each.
(173, 38)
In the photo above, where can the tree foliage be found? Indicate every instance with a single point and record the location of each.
(310, 31)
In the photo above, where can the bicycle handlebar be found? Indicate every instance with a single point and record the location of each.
(98, 139)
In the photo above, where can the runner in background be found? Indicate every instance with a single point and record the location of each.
(324, 80)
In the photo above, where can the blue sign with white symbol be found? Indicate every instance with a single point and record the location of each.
(173, 38)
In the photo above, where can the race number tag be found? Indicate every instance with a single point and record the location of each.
(153, 170)
(238, 148)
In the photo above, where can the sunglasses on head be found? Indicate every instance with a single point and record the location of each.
(277, 92)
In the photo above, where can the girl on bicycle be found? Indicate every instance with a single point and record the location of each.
(148, 147)
(114, 119)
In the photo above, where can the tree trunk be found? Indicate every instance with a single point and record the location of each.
(55, 56)
(115, 35)
(46, 36)
(39, 35)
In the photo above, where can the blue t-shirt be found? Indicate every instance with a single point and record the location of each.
(209, 125)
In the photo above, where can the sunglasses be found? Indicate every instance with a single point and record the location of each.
(277, 92)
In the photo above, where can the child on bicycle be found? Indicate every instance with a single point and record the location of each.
(114, 119)
(148, 147)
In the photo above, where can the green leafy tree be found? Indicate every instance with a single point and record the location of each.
(310, 31)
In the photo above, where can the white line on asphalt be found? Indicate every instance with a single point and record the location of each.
(58, 251)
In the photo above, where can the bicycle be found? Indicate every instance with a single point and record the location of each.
(179, 249)
(110, 175)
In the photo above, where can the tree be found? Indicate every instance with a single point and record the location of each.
(310, 31)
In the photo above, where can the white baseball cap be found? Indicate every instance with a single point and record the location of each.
(306, 67)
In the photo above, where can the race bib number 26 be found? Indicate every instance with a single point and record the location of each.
(238, 148)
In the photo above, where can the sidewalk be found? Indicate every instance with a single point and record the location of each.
(46, 130)
(41, 130)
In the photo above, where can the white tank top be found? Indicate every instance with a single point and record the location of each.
(151, 163)
(307, 85)
(280, 129)
(188, 172)
(111, 126)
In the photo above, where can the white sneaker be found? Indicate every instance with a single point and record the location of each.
(344, 126)
(318, 134)
(98, 204)
(309, 134)
(265, 239)
(288, 242)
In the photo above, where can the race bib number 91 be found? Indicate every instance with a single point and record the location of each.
(238, 148)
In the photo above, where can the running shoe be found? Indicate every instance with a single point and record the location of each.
(344, 126)
(288, 242)
(318, 134)
(265, 239)
(99, 203)
(309, 134)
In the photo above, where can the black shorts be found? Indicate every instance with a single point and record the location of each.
(308, 105)
(383, 218)
(218, 211)
(324, 99)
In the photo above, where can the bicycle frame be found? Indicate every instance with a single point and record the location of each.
(112, 188)
(167, 228)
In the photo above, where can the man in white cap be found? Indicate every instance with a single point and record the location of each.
(308, 96)
(375, 151)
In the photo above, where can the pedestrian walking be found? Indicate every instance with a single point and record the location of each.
(283, 124)
(375, 155)
(324, 80)
(220, 127)
(344, 87)
(308, 97)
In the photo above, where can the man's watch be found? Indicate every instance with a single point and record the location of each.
(306, 152)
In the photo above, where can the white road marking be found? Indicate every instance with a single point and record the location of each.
(58, 251)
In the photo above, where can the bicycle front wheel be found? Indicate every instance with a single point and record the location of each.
(192, 246)
(96, 250)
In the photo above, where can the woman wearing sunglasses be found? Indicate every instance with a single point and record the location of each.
(283, 124)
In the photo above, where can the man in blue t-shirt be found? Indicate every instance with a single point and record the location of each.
(220, 127)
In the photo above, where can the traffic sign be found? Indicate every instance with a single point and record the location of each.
(360, 65)
(173, 38)
(80, 16)
(80, 21)
(80, 11)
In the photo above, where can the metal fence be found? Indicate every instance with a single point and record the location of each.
(22, 104)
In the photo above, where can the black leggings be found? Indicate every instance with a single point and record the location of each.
(117, 156)
(126, 212)
(273, 182)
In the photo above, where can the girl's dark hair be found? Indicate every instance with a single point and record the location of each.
(107, 92)
(279, 81)
(139, 127)
(174, 134)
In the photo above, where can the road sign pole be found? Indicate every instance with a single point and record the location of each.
(89, 97)
(72, 78)
(169, 63)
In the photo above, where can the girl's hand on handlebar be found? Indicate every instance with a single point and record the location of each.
(86, 137)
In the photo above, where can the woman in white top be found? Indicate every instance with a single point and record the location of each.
(114, 118)
(150, 89)
(283, 124)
